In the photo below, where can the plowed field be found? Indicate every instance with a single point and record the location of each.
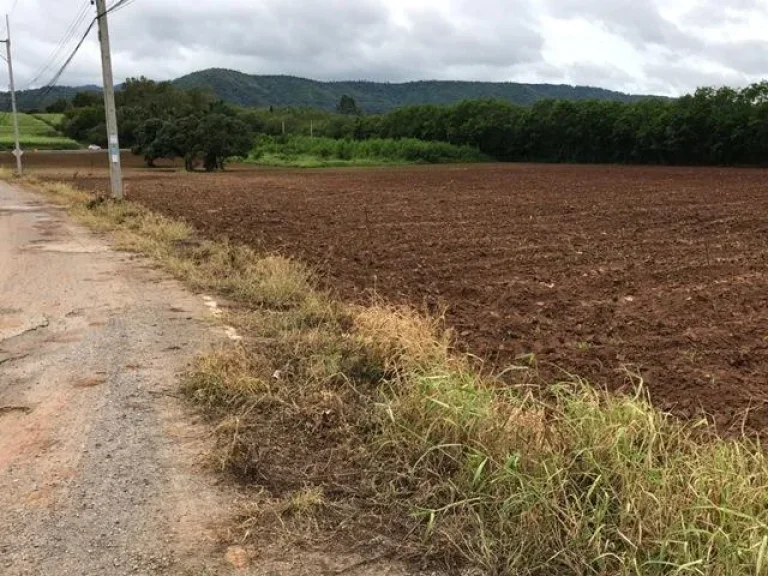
(600, 271)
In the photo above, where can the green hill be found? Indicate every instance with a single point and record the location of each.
(374, 97)
(35, 132)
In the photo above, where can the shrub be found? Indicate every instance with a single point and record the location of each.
(290, 149)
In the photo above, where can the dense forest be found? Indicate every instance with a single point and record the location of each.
(376, 97)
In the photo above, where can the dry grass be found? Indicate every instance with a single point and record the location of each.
(365, 419)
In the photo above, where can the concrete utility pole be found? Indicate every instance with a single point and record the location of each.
(17, 151)
(115, 169)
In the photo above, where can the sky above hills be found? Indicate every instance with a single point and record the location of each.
(640, 46)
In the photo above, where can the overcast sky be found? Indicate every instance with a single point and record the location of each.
(641, 46)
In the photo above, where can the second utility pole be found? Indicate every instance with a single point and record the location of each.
(17, 150)
(115, 169)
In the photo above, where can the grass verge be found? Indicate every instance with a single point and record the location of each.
(364, 421)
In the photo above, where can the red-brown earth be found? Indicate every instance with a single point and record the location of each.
(600, 271)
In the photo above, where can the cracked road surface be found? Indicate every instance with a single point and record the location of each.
(99, 460)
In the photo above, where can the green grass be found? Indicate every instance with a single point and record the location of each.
(310, 161)
(53, 120)
(306, 152)
(29, 143)
(35, 132)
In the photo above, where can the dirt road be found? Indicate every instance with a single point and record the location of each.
(99, 466)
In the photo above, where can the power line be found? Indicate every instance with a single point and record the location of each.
(50, 85)
(71, 56)
(76, 24)
(69, 34)
(120, 4)
(115, 7)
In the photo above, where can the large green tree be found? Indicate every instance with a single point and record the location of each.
(147, 142)
(211, 138)
(138, 101)
(220, 137)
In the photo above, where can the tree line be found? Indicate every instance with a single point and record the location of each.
(722, 126)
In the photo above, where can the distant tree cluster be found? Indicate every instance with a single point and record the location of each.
(157, 120)
(210, 138)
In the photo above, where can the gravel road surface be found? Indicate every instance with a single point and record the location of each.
(99, 460)
(101, 463)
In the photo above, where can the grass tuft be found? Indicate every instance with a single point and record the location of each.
(305, 502)
(400, 341)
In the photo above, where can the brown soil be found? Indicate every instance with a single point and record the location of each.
(600, 271)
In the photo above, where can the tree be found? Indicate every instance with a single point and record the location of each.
(147, 143)
(220, 137)
(58, 107)
(212, 138)
(347, 106)
(87, 99)
(81, 124)
(179, 138)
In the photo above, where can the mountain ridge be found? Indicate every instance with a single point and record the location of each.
(371, 96)
(374, 97)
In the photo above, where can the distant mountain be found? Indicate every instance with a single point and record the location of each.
(39, 98)
(374, 97)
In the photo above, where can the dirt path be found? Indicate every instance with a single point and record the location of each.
(99, 469)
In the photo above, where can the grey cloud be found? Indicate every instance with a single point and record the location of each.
(712, 13)
(749, 57)
(679, 56)
(333, 39)
(397, 40)
(637, 21)
(682, 77)
(590, 74)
